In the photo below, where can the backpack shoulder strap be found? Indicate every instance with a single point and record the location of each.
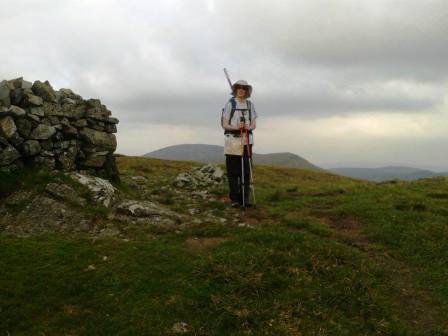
(249, 107)
(232, 112)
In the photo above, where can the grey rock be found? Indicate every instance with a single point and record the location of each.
(67, 159)
(44, 90)
(16, 140)
(75, 112)
(3, 142)
(64, 192)
(16, 96)
(46, 162)
(31, 147)
(8, 155)
(96, 110)
(110, 128)
(112, 120)
(80, 123)
(103, 192)
(205, 176)
(16, 111)
(44, 214)
(139, 179)
(24, 127)
(18, 197)
(103, 141)
(180, 328)
(32, 100)
(70, 131)
(42, 132)
(95, 159)
(145, 209)
(35, 120)
(68, 93)
(68, 101)
(39, 111)
(109, 232)
(7, 127)
(20, 83)
(54, 120)
(46, 144)
(12, 167)
(47, 153)
(4, 94)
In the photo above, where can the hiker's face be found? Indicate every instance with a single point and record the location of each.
(241, 92)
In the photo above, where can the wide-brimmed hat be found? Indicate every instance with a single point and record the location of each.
(243, 83)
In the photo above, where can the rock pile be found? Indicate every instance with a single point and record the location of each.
(55, 129)
(205, 176)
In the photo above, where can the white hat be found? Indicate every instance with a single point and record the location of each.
(242, 82)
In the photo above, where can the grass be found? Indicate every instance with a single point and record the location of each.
(323, 255)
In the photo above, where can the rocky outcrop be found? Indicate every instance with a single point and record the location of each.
(55, 129)
(103, 193)
(205, 176)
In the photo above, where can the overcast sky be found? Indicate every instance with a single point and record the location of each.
(340, 83)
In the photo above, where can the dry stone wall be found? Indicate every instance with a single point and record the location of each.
(55, 129)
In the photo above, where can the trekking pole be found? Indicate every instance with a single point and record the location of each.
(228, 79)
(243, 184)
(251, 176)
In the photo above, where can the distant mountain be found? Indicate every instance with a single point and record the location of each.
(215, 154)
(386, 173)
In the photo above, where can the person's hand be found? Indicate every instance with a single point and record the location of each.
(241, 125)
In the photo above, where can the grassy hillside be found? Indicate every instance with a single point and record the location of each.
(320, 255)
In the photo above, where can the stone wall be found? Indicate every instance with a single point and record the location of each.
(55, 130)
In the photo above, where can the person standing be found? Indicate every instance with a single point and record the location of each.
(239, 122)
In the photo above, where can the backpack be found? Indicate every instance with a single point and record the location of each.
(232, 112)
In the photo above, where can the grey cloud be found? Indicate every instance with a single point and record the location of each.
(162, 62)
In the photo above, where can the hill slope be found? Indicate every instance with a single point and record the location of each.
(320, 255)
(215, 154)
(386, 173)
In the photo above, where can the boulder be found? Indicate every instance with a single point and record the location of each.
(67, 159)
(3, 142)
(95, 159)
(44, 90)
(44, 214)
(64, 192)
(31, 100)
(205, 176)
(20, 83)
(16, 140)
(39, 111)
(145, 209)
(16, 111)
(16, 96)
(8, 155)
(101, 140)
(44, 161)
(4, 94)
(96, 110)
(103, 192)
(24, 127)
(42, 132)
(7, 127)
(31, 147)
(68, 93)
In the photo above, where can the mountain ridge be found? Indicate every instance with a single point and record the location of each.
(215, 154)
(386, 173)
